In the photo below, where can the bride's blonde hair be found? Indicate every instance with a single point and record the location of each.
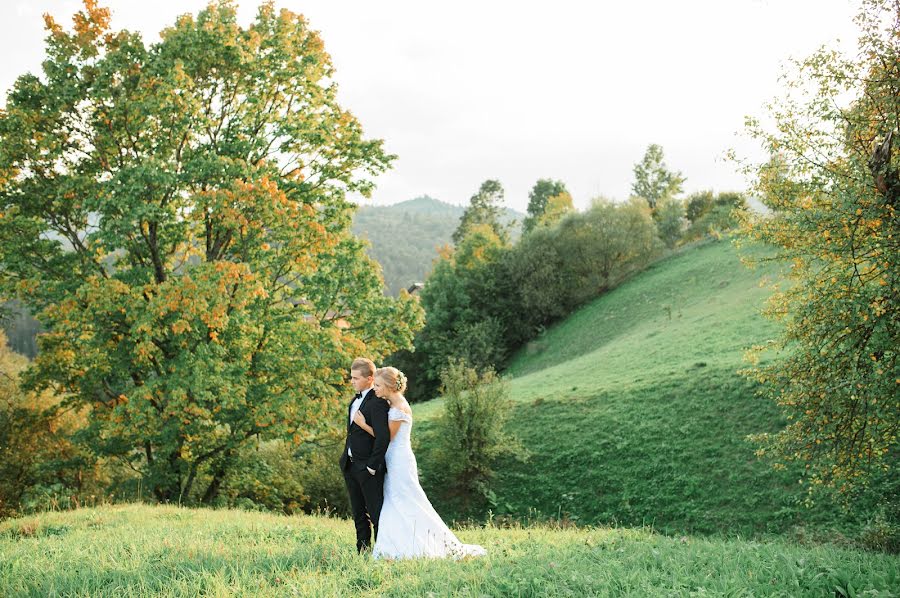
(393, 377)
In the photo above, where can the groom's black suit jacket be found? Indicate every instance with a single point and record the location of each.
(366, 449)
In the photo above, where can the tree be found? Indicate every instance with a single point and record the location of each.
(603, 246)
(698, 204)
(485, 208)
(653, 180)
(459, 300)
(670, 220)
(538, 198)
(834, 192)
(176, 216)
(557, 207)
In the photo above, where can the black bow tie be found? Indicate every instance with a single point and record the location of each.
(357, 395)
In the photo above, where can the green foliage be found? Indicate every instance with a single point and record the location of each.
(697, 204)
(557, 269)
(38, 462)
(538, 199)
(670, 221)
(484, 209)
(653, 181)
(176, 216)
(323, 482)
(834, 190)
(486, 299)
(265, 476)
(135, 551)
(713, 214)
(470, 435)
(458, 301)
(276, 476)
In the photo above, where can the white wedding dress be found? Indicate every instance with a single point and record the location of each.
(409, 526)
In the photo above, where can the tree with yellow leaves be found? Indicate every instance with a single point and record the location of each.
(833, 188)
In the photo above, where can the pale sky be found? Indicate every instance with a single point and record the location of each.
(517, 90)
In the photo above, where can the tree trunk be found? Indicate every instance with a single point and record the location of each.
(212, 491)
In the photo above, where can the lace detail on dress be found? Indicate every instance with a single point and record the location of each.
(398, 415)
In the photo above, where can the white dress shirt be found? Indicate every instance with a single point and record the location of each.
(354, 408)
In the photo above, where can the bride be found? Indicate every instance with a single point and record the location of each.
(409, 526)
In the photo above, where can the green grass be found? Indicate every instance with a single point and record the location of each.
(137, 550)
(701, 306)
(635, 414)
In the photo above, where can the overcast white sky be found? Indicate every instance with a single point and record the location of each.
(517, 90)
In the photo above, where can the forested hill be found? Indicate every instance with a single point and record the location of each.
(405, 237)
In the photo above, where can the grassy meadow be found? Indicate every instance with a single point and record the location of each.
(635, 414)
(137, 550)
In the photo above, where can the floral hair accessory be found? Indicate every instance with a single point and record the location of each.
(401, 380)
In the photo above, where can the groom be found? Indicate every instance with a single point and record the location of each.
(363, 458)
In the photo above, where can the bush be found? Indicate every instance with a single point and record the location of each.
(322, 480)
(718, 213)
(698, 204)
(469, 435)
(276, 476)
(558, 269)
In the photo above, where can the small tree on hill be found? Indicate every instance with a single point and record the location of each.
(471, 432)
(653, 180)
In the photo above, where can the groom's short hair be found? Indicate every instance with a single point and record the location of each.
(364, 366)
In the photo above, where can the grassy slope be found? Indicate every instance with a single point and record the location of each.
(634, 412)
(136, 550)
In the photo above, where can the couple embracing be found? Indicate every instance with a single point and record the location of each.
(381, 473)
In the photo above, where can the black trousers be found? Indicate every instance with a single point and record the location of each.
(366, 497)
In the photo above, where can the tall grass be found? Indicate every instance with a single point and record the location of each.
(137, 550)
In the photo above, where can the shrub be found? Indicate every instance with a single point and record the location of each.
(276, 476)
(470, 435)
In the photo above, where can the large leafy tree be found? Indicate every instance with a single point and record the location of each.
(833, 187)
(653, 180)
(177, 216)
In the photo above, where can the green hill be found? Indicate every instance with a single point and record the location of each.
(634, 412)
(137, 551)
(405, 236)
